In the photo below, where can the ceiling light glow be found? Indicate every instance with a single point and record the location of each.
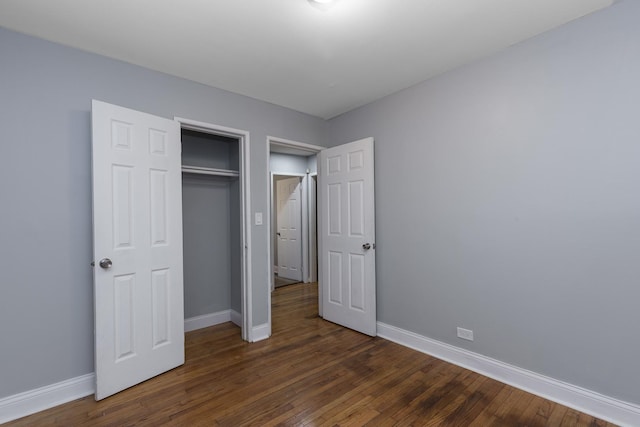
(323, 4)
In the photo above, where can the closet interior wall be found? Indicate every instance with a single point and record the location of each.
(211, 225)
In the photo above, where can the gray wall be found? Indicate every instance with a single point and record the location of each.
(287, 163)
(312, 164)
(508, 202)
(46, 297)
(211, 226)
(206, 221)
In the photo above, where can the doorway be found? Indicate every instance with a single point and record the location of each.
(291, 159)
(286, 213)
(225, 171)
(211, 229)
(346, 230)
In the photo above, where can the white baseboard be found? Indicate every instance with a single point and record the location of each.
(27, 403)
(260, 332)
(30, 402)
(236, 318)
(583, 400)
(206, 320)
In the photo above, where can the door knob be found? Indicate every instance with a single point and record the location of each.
(366, 246)
(105, 263)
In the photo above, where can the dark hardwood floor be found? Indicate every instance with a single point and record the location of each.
(311, 373)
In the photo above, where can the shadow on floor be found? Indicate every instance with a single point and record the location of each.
(279, 281)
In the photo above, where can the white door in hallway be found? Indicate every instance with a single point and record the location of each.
(346, 235)
(289, 228)
(137, 232)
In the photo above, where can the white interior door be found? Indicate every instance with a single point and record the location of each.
(137, 232)
(346, 235)
(289, 226)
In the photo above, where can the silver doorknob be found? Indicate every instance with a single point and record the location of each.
(105, 263)
(366, 246)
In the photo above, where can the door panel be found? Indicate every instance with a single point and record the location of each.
(159, 214)
(124, 287)
(289, 226)
(346, 235)
(137, 224)
(161, 303)
(334, 277)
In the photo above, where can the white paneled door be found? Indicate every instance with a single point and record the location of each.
(137, 232)
(289, 226)
(346, 235)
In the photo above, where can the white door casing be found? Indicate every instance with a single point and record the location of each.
(313, 230)
(289, 228)
(137, 224)
(346, 235)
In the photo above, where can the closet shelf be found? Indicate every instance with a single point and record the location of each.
(209, 171)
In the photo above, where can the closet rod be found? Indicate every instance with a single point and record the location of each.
(209, 171)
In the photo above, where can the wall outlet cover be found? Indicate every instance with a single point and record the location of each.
(465, 334)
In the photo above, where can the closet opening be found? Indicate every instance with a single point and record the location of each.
(214, 222)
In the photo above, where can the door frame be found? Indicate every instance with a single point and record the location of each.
(300, 147)
(313, 226)
(245, 210)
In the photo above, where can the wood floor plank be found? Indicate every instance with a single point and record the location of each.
(474, 403)
(487, 416)
(310, 373)
(538, 412)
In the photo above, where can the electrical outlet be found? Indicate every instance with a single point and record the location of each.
(465, 334)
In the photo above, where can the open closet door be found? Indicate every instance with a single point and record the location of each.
(137, 232)
(346, 235)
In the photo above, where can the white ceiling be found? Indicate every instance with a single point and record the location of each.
(287, 52)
